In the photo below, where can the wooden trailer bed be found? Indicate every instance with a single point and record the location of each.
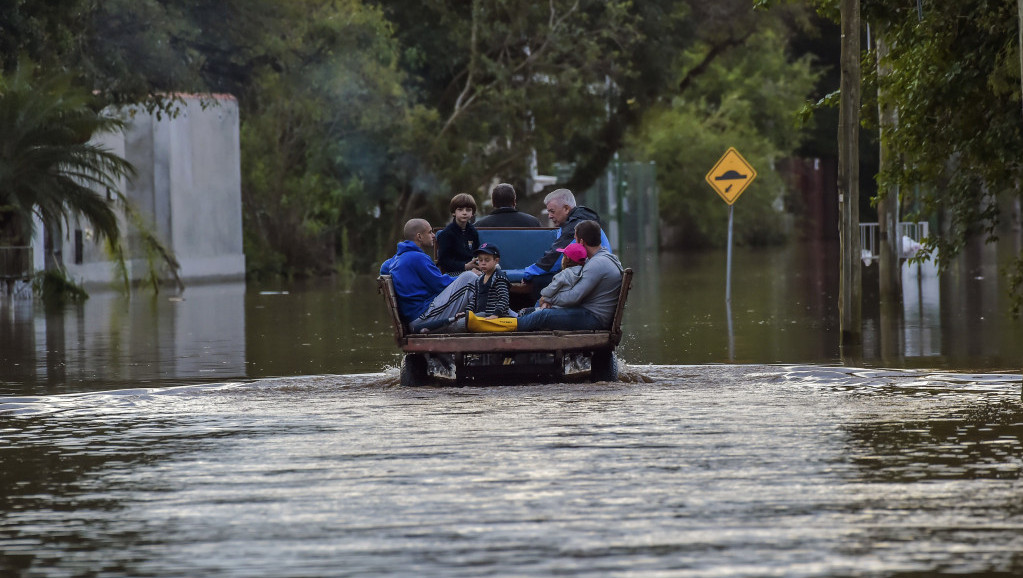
(509, 355)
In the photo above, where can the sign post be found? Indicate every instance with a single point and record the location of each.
(729, 178)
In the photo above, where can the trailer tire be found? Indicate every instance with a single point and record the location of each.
(414, 370)
(604, 366)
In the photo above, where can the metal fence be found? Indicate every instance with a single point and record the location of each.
(910, 237)
(626, 197)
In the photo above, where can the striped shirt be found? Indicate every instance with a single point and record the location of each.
(491, 297)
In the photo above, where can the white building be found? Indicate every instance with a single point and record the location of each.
(188, 186)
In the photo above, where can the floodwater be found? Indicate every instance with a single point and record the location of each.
(261, 431)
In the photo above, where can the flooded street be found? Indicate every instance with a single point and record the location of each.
(726, 470)
(784, 310)
(261, 430)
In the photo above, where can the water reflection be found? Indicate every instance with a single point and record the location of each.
(969, 444)
(784, 310)
(111, 341)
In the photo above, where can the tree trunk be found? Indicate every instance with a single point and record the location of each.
(889, 235)
(53, 257)
(1019, 9)
(850, 294)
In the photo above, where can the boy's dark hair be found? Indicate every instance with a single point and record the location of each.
(589, 233)
(462, 200)
(503, 195)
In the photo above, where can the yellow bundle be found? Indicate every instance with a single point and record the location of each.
(479, 324)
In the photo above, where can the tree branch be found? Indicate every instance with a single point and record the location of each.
(715, 51)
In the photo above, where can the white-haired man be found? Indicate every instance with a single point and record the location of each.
(566, 214)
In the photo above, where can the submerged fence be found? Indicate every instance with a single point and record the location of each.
(911, 235)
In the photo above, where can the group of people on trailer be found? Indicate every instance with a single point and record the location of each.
(467, 284)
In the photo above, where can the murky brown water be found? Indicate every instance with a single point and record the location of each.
(783, 311)
(725, 470)
(261, 431)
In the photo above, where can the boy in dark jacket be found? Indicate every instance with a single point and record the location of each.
(457, 243)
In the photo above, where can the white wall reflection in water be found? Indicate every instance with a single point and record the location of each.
(111, 340)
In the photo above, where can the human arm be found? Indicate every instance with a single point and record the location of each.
(469, 251)
(556, 284)
(574, 293)
(447, 260)
(565, 279)
(546, 263)
(429, 275)
(499, 298)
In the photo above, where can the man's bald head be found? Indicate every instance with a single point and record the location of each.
(420, 232)
(414, 226)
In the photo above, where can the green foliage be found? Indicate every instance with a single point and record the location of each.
(48, 165)
(957, 92)
(352, 110)
(744, 101)
(1015, 275)
(324, 125)
(56, 288)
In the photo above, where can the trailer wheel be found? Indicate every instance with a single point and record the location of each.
(413, 370)
(604, 366)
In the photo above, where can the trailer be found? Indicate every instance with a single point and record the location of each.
(483, 358)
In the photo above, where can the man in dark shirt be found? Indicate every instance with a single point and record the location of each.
(505, 214)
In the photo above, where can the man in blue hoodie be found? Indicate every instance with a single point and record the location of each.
(424, 293)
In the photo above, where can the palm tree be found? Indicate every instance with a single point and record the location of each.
(48, 166)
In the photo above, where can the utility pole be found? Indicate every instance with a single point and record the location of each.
(889, 233)
(890, 237)
(850, 293)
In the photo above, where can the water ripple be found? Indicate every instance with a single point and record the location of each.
(711, 470)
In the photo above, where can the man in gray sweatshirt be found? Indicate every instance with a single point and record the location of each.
(591, 302)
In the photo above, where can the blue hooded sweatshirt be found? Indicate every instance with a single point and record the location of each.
(416, 279)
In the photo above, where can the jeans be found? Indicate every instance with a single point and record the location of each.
(562, 318)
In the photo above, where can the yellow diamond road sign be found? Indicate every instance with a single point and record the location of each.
(731, 175)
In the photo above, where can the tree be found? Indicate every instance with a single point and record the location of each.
(327, 126)
(566, 78)
(851, 290)
(48, 166)
(747, 100)
(959, 133)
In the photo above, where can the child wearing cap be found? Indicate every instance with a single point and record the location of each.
(491, 297)
(574, 255)
(488, 298)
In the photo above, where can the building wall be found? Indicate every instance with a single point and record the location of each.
(187, 185)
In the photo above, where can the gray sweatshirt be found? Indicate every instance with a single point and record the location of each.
(597, 288)
(565, 279)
